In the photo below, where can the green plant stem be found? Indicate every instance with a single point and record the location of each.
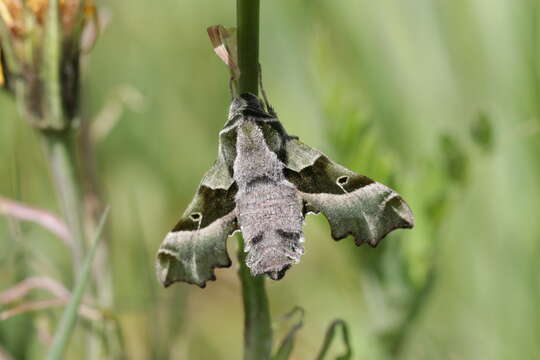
(257, 327)
(63, 169)
(247, 22)
(62, 162)
(57, 135)
(52, 54)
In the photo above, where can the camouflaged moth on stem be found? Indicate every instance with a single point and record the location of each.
(264, 183)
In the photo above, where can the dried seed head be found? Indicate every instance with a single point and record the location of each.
(24, 26)
(12, 12)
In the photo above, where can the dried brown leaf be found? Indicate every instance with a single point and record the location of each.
(224, 43)
(24, 287)
(84, 310)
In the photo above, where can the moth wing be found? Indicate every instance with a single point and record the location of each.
(353, 204)
(197, 244)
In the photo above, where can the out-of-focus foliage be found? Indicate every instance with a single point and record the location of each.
(482, 132)
(438, 99)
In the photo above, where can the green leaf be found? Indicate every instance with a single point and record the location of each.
(69, 317)
(329, 338)
(287, 344)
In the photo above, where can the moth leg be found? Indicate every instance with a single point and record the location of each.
(269, 107)
(232, 88)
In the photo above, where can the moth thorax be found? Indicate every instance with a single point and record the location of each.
(254, 160)
(250, 137)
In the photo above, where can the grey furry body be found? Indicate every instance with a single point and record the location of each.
(269, 209)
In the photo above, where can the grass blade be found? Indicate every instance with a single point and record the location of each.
(69, 317)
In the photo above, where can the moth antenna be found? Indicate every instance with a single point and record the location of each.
(269, 107)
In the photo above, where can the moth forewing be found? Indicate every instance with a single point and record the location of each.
(197, 244)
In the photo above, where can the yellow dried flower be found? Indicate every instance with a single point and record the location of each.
(11, 11)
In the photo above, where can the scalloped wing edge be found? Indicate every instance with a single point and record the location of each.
(368, 213)
(192, 256)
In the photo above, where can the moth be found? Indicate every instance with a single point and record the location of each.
(263, 184)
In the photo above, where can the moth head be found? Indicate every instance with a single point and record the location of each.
(246, 101)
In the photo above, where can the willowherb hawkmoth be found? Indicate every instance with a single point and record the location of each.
(263, 183)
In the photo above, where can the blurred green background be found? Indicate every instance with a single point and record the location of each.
(438, 99)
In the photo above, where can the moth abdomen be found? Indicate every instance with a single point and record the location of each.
(270, 217)
(289, 234)
(256, 239)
